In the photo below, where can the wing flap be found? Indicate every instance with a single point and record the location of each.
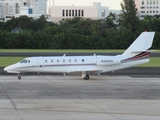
(87, 71)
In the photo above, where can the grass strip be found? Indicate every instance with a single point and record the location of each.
(154, 62)
(5, 61)
(67, 50)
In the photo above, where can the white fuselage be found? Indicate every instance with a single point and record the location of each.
(72, 64)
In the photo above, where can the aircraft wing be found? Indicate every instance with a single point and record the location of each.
(90, 71)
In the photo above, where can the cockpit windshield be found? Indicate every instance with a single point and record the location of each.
(25, 61)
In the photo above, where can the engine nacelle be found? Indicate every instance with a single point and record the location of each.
(102, 60)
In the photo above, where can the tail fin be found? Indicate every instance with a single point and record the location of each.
(141, 44)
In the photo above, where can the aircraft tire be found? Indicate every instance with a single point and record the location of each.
(87, 77)
(19, 77)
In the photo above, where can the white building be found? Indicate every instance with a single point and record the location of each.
(28, 12)
(147, 7)
(96, 11)
(12, 7)
(9, 7)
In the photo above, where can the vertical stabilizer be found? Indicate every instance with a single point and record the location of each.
(141, 44)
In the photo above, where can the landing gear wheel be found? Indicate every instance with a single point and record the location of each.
(19, 77)
(87, 77)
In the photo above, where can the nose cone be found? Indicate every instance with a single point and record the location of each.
(11, 69)
(6, 69)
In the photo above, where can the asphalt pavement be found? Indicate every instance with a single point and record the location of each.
(71, 98)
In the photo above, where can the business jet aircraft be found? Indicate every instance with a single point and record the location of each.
(137, 53)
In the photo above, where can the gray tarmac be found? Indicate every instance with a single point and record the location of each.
(56, 97)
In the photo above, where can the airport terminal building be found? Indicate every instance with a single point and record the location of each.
(96, 11)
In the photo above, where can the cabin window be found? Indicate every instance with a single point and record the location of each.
(28, 61)
(63, 60)
(82, 60)
(51, 61)
(57, 61)
(45, 61)
(75, 60)
(69, 60)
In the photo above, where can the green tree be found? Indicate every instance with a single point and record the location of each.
(40, 23)
(128, 18)
(24, 22)
(152, 22)
(110, 21)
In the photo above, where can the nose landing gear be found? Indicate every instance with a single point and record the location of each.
(19, 77)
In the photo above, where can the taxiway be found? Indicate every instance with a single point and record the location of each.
(47, 97)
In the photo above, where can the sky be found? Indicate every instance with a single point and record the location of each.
(112, 4)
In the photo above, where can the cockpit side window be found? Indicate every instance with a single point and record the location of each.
(25, 61)
(22, 61)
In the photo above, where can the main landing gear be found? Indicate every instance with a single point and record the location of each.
(87, 77)
(84, 76)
